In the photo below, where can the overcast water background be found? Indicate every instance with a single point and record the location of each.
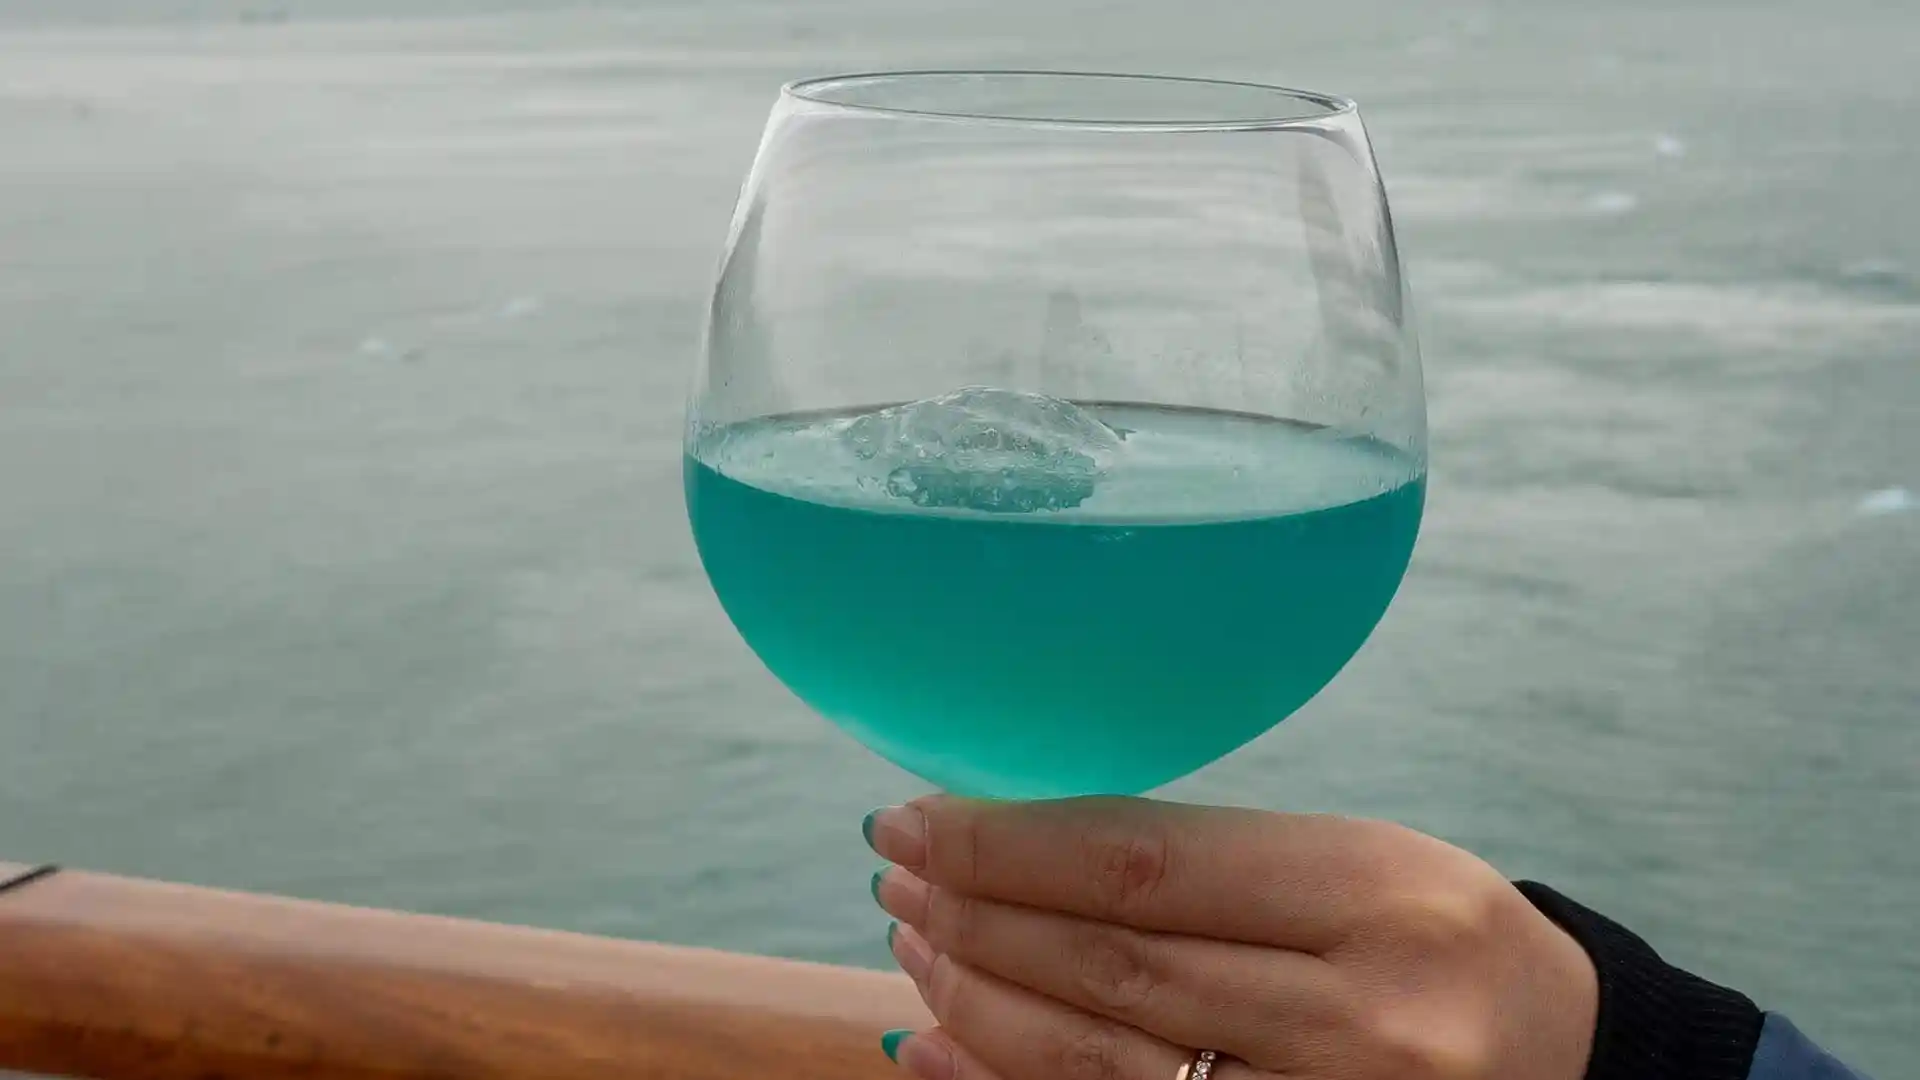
(342, 350)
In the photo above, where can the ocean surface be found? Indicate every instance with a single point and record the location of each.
(342, 551)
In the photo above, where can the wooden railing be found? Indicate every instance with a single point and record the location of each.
(123, 979)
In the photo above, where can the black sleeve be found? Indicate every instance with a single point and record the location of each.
(1656, 1022)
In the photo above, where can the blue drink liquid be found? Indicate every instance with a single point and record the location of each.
(1221, 573)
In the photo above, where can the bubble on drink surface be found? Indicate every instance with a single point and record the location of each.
(978, 448)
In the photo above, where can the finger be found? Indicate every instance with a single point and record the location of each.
(1021, 1035)
(933, 1055)
(1263, 1005)
(914, 955)
(1286, 880)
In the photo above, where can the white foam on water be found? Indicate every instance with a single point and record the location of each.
(386, 350)
(1734, 316)
(1613, 202)
(521, 307)
(1893, 500)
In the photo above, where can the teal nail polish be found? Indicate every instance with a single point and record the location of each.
(866, 826)
(893, 929)
(890, 1043)
(874, 885)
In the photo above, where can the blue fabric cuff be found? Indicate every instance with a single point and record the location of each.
(1785, 1054)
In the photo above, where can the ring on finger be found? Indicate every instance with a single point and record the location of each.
(1200, 1068)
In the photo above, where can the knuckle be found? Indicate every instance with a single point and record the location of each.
(947, 995)
(1117, 968)
(1127, 867)
(1434, 1052)
(1320, 1030)
(954, 922)
(1452, 921)
(1382, 851)
(954, 832)
(1328, 1015)
(1091, 1054)
(966, 1068)
(1420, 1037)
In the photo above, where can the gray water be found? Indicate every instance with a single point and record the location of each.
(341, 362)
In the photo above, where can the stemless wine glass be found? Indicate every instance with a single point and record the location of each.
(1057, 433)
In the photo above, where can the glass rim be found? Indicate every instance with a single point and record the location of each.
(1314, 107)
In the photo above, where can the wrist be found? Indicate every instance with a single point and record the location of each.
(1651, 1021)
(1574, 1004)
(1556, 1001)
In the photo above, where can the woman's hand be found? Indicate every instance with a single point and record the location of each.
(1108, 939)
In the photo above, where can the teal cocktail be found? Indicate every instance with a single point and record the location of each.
(1149, 458)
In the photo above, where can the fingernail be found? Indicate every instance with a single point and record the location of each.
(899, 835)
(928, 1059)
(890, 1043)
(866, 826)
(878, 877)
(911, 952)
(903, 896)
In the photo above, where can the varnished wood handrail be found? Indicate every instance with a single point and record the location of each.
(122, 979)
